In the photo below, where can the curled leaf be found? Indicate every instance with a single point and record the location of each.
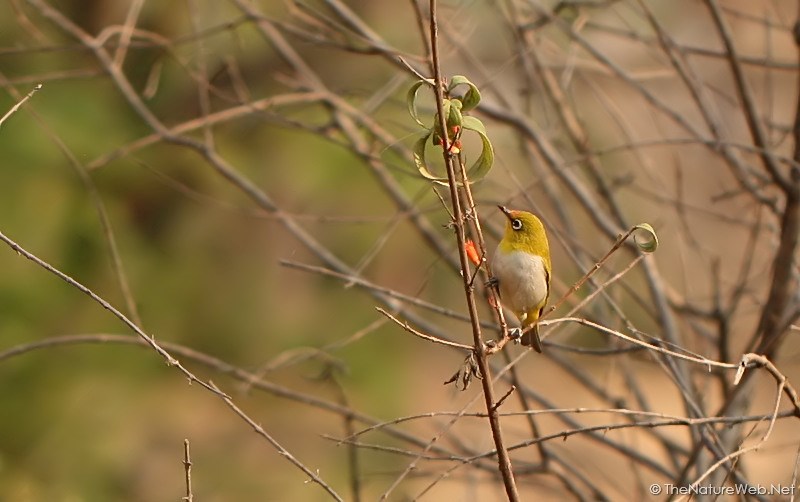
(485, 160)
(650, 243)
(456, 122)
(471, 98)
(411, 99)
(478, 170)
(453, 117)
(419, 158)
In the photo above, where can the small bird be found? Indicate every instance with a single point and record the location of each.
(521, 269)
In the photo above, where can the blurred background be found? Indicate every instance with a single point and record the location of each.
(236, 177)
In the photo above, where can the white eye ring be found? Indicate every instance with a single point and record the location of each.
(516, 224)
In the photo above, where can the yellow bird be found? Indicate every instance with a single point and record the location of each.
(521, 269)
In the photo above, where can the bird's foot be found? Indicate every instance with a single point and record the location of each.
(492, 283)
(515, 334)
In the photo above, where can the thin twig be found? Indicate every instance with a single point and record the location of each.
(575, 287)
(170, 360)
(741, 451)
(102, 214)
(695, 359)
(503, 459)
(422, 335)
(187, 467)
(313, 476)
(220, 367)
(748, 360)
(19, 103)
(794, 475)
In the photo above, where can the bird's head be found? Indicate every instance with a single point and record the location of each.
(524, 232)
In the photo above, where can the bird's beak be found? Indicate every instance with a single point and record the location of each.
(506, 212)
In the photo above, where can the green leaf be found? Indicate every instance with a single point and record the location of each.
(567, 11)
(411, 99)
(453, 113)
(419, 159)
(651, 242)
(475, 172)
(485, 160)
(471, 98)
(457, 80)
(453, 117)
(452, 109)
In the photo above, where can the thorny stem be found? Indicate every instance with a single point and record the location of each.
(503, 458)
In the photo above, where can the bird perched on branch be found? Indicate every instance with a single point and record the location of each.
(521, 269)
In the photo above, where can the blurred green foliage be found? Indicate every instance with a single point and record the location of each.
(107, 422)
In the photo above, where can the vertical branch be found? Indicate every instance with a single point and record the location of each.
(773, 322)
(350, 431)
(503, 458)
(187, 467)
(750, 110)
(478, 232)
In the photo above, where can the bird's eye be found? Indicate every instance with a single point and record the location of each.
(516, 224)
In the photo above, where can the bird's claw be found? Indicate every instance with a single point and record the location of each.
(515, 334)
(493, 282)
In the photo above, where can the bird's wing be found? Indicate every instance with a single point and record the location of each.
(547, 295)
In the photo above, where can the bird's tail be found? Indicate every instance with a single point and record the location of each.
(531, 339)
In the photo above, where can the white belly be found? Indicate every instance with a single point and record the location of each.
(522, 280)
